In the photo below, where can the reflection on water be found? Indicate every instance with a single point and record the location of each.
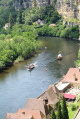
(17, 84)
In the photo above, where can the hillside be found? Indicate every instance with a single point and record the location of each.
(68, 9)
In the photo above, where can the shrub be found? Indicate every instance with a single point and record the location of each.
(2, 37)
(73, 108)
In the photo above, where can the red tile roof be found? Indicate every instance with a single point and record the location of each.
(17, 116)
(69, 96)
(71, 75)
(24, 114)
(35, 113)
(35, 104)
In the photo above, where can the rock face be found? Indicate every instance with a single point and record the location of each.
(40, 3)
(68, 8)
(30, 3)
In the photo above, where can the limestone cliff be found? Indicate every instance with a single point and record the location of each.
(68, 8)
(30, 3)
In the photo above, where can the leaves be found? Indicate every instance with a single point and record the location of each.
(22, 44)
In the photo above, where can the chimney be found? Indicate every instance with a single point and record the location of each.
(45, 101)
(75, 78)
(74, 75)
(23, 113)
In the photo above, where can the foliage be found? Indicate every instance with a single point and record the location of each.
(19, 16)
(72, 32)
(55, 1)
(64, 109)
(59, 31)
(46, 13)
(73, 107)
(70, 112)
(32, 117)
(30, 15)
(22, 45)
(47, 31)
(8, 36)
(59, 114)
(53, 116)
(21, 38)
(18, 59)
(6, 6)
(34, 3)
(49, 14)
(10, 19)
(77, 62)
(2, 37)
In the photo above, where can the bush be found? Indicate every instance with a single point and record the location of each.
(73, 108)
(8, 36)
(22, 45)
(2, 37)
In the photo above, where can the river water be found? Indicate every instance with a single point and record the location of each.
(17, 84)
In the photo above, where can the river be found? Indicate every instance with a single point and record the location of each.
(17, 84)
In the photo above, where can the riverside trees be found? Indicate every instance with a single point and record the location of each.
(23, 43)
(22, 36)
(59, 31)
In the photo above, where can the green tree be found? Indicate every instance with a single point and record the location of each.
(34, 3)
(32, 117)
(53, 116)
(22, 45)
(20, 2)
(10, 19)
(19, 17)
(64, 109)
(59, 115)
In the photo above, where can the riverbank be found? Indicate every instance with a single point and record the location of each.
(17, 84)
(22, 46)
(60, 30)
(23, 41)
(53, 95)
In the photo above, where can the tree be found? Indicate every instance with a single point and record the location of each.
(34, 3)
(53, 116)
(59, 112)
(64, 109)
(32, 117)
(19, 17)
(20, 2)
(10, 19)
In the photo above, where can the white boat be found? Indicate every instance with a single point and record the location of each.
(59, 57)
